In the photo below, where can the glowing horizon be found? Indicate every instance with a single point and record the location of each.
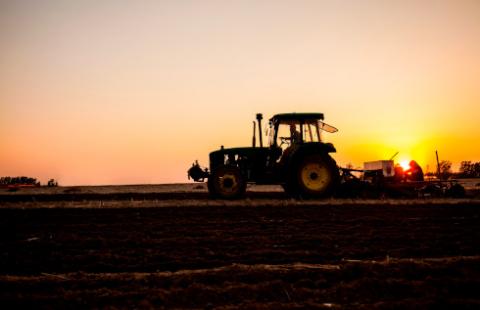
(119, 92)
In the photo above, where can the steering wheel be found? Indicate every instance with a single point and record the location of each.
(285, 140)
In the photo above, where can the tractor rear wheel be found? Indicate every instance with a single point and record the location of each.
(227, 182)
(314, 176)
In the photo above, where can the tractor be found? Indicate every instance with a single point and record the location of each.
(296, 158)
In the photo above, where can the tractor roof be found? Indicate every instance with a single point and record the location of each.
(297, 116)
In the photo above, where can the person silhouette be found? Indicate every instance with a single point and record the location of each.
(295, 135)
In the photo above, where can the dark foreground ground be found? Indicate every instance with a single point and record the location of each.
(274, 255)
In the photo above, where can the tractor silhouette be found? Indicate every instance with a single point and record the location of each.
(296, 158)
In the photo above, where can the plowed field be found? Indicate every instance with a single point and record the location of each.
(274, 254)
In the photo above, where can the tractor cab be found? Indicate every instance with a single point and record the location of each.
(288, 130)
(295, 128)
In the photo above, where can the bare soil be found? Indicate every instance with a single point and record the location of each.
(271, 253)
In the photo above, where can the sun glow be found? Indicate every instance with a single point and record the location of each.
(405, 164)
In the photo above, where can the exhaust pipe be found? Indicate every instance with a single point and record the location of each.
(253, 139)
(259, 119)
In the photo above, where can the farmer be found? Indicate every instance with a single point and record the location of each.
(295, 135)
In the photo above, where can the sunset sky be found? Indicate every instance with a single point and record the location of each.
(125, 92)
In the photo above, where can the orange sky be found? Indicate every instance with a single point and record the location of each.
(122, 92)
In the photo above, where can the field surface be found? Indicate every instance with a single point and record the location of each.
(255, 253)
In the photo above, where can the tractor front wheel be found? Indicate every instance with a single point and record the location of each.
(226, 182)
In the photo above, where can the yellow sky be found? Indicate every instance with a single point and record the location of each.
(121, 92)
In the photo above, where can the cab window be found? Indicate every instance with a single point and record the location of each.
(311, 132)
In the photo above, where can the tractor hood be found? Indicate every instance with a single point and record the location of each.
(241, 151)
(225, 156)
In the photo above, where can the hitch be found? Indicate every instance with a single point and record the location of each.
(197, 173)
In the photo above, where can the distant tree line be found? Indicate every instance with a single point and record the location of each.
(467, 169)
(18, 180)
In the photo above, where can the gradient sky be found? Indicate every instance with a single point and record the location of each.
(123, 92)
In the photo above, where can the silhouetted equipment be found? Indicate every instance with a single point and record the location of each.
(302, 166)
(383, 178)
(394, 155)
(197, 173)
(297, 159)
(386, 167)
(52, 183)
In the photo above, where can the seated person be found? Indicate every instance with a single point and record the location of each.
(295, 135)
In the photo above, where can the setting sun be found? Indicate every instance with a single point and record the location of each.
(405, 164)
